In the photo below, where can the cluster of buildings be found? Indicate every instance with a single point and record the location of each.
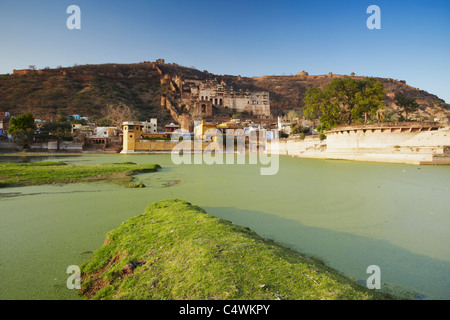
(91, 136)
(86, 135)
(99, 136)
(188, 101)
(134, 137)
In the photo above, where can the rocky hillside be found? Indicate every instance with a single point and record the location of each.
(288, 92)
(87, 89)
(294, 89)
(83, 90)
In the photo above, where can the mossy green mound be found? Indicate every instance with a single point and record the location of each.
(177, 251)
(24, 174)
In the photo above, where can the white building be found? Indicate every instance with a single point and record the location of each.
(104, 132)
(219, 94)
(284, 126)
(150, 127)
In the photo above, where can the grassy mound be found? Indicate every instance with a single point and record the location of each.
(24, 174)
(177, 251)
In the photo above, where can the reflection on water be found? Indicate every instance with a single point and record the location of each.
(349, 214)
(31, 158)
(10, 194)
(20, 194)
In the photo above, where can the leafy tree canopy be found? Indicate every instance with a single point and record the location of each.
(22, 122)
(22, 129)
(344, 101)
(406, 104)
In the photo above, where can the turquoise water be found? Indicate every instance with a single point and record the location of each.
(349, 214)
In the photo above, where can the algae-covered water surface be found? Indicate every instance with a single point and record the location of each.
(349, 214)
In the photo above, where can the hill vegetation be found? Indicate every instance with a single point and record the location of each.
(89, 89)
(85, 90)
(289, 92)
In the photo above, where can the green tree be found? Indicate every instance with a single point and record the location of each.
(318, 105)
(406, 104)
(345, 93)
(59, 130)
(24, 121)
(369, 100)
(295, 128)
(299, 129)
(64, 119)
(22, 129)
(344, 101)
(81, 121)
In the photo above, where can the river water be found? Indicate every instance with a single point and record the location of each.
(349, 214)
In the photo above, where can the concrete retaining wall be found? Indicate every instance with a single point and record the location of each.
(426, 145)
(415, 143)
(9, 146)
(312, 147)
(380, 138)
(55, 146)
(149, 146)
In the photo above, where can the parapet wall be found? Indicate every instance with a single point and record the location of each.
(57, 146)
(417, 143)
(9, 146)
(43, 71)
(405, 142)
(150, 146)
(313, 147)
(389, 135)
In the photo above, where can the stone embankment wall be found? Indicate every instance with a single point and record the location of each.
(311, 146)
(7, 146)
(415, 143)
(149, 146)
(55, 146)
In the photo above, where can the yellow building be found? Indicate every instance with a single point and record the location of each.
(228, 125)
(132, 131)
(199, 131)
(133, 143)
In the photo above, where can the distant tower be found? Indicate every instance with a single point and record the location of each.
(132, 132)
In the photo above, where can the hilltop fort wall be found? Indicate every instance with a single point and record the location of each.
(40, 72)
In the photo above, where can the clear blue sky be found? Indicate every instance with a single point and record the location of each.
(248, 38)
